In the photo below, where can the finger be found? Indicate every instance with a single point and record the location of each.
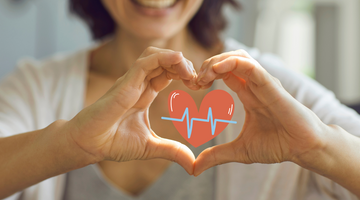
(172, 75)
(191, 85)
(245, 94)
(155, 86)
(186, 71)
(151, 50)
(264, 86)
(207, 86)
(160, 82)
(223, 56)
(235, 83)
(144, 66)
(184, 64)
(173, 151)
(207, 76)
(192, 82)
(127, 88)
(245, 68)
(214, 156)
(215, 59)
(155, 73)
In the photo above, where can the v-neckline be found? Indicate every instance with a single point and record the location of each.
(158, 183)
(125, 194)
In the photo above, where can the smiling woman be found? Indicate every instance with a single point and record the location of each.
(91, 126)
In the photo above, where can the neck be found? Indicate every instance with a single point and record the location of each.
(125, 48)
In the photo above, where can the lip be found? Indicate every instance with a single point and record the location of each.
(154, 12)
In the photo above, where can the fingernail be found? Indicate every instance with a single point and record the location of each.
(193, 80)
(180, 54)
(201, 76)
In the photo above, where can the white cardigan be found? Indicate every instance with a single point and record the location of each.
(38, 93)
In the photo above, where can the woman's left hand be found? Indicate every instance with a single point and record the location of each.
(277, 127)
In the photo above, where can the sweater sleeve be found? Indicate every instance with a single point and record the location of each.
(20, 93)
(36, 94)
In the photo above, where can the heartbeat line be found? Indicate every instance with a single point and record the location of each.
(190, 125)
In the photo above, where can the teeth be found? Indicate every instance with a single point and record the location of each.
(156, 3)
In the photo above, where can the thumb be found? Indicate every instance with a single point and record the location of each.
(173, 151)
(214, 156)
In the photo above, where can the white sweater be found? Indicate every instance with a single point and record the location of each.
(38, 93)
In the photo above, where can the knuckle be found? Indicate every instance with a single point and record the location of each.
(207, 61)
(149, 49)
(212, 60)
(249, 71)
(255, 63)
(235, 59)
(242, 51)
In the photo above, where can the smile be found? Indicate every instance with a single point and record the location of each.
(157, 4)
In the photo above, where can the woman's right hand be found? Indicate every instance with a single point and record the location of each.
(117, 127)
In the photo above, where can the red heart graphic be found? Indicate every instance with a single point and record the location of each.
(197, 128)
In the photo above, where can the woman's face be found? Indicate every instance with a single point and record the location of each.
(152, 19)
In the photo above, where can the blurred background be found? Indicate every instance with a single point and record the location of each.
(320, 38)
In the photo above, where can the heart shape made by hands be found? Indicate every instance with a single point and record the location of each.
(199, 127)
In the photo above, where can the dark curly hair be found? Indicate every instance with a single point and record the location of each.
(206, 25)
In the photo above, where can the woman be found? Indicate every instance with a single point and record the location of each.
(98, 103)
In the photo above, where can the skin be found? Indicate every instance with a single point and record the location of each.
(125, 80)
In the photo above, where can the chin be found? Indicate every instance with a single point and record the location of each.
(156, 31)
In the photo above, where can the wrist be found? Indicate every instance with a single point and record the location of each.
(65, 146)
(338, 160)
(323, 158)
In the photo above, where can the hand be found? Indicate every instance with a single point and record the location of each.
(277, 128)
(117, 127)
